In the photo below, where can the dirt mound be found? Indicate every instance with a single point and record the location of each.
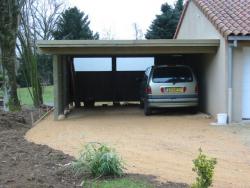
(30, 165)
(11, 121)
(25, 164)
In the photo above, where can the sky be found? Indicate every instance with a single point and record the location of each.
(105, 64)
(115, 19)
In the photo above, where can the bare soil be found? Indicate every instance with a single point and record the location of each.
(24, 164)
(163, 144)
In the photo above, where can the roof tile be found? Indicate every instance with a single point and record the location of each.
(229, 17)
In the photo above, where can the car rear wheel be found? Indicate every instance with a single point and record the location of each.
(147, 109)
(193, 110)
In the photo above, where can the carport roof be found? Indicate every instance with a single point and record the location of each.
(127, 47)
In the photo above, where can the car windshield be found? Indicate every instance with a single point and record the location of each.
(172, 75)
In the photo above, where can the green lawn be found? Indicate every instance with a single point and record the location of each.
(25, 99)
(118, 183)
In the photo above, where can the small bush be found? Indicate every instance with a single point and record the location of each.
(204, 167)
(99, 160)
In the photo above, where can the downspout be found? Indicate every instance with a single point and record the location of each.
(231, 46)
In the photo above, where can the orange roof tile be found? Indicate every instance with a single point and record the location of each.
(230, 17)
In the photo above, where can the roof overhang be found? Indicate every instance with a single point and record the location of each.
(127, 47)
(241, 40)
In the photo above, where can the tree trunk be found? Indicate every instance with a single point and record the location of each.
(11, 102)
(9, 13)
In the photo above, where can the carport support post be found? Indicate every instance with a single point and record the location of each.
(58, 86)
(114, 80)
(65, 82)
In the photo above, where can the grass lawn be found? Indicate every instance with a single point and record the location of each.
(118, 183)
(25, 99)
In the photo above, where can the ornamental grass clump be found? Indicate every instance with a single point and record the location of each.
(204, 167)
(99, 160)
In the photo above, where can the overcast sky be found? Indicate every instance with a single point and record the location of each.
(117, 17)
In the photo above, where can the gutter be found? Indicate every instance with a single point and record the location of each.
(238, 38)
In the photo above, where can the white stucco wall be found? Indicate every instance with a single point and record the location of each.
(237, 83)
(238, 65)
(196, 26)
(214, 67)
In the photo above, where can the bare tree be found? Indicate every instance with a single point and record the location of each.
(138, 32)
(46, 14)
(38, 20)
(9, 21)
(27, 52)
(107, 35)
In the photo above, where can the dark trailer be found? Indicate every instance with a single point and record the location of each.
(110, 79)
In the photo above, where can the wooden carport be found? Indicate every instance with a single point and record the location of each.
(64, 51)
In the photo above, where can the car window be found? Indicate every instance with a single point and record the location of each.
(172, 75)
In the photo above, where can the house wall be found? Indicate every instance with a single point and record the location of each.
(213, 68)
(237, 83)
(238, 65)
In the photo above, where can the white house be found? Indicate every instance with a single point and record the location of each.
(228, 72)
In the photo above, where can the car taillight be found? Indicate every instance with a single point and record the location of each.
(148, 90)
(196, 88)
(162, 89)
(184, 89)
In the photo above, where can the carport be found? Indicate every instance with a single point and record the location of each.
(70, 86)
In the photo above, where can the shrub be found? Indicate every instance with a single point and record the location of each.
(204, 167)
(99, 160)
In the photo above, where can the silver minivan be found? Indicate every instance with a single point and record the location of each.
(169, 86)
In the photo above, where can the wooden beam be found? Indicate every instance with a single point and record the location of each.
(129, 50)
(128, 47)
(127, 43)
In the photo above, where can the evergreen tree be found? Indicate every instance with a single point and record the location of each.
(74, 24)
(179, 6)
(164, 26)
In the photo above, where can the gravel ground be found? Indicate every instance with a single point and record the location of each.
(24, 164)
(163, 144)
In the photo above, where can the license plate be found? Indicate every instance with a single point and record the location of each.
(174, 89)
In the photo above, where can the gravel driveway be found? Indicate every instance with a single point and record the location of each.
(163, 145)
